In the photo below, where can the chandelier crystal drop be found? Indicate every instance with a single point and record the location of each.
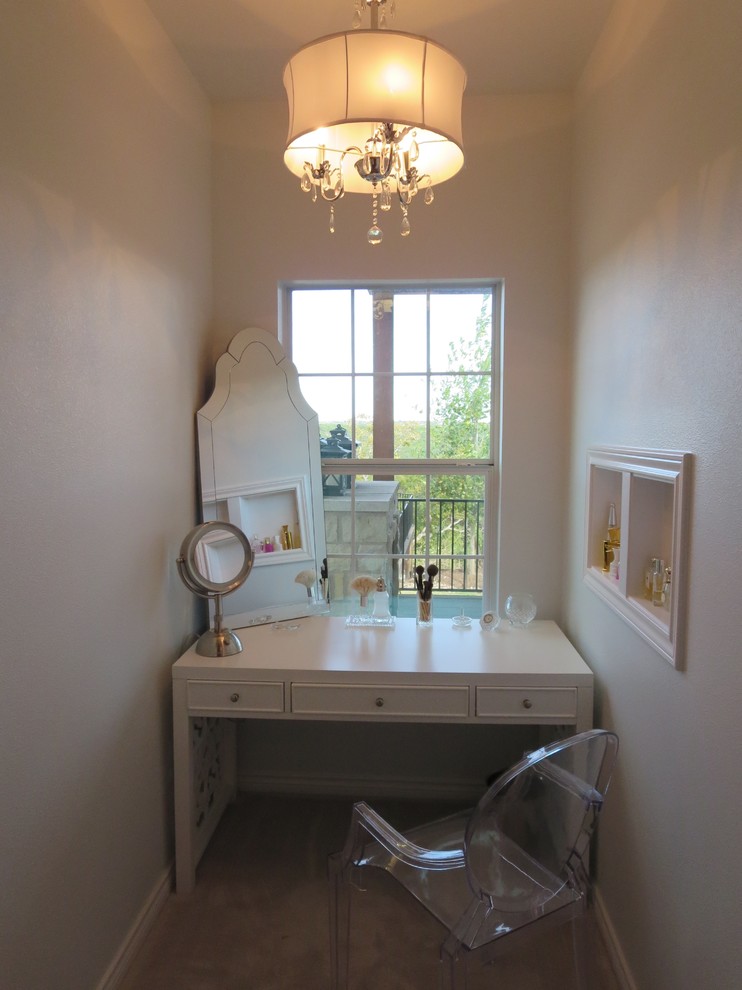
(374, 112)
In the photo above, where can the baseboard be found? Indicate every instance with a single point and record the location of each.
(386, 786)
(613, 946)
(138, 932)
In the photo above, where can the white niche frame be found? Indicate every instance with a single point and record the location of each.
(650, 489)
(261, 508)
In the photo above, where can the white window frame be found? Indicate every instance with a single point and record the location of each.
(490, 468)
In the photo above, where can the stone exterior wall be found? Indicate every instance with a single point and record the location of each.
(376, 526)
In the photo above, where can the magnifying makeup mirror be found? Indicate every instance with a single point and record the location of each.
(215, 559)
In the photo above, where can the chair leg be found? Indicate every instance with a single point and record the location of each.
(339, 889)
(452, 968)
(584, 953)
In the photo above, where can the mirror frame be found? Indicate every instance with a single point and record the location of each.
(192, 574)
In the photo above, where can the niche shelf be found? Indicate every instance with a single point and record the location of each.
(650, 491)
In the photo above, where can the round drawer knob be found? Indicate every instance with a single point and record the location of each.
(379, 702)
(527, 703)
(234, 696)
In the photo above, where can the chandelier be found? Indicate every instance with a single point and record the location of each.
(374, 111)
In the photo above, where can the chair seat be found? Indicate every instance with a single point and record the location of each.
(448, 895)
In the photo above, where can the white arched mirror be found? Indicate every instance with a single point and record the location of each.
(259, 459)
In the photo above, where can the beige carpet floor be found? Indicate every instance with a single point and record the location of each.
(257, 919)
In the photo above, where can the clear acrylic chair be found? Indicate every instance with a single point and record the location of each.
(508, 868)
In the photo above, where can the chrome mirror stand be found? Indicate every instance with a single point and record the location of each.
(198, 564)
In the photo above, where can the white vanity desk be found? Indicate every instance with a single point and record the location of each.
(324, 670)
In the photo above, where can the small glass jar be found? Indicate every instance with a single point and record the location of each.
(424, 612)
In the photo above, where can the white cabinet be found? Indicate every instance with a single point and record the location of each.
(649, 489)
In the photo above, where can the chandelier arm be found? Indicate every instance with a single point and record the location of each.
(338, 194)
(339, 187)
(398, 136)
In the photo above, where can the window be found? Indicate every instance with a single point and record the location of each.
(404, 381)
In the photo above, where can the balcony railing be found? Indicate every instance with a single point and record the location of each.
(451, 530)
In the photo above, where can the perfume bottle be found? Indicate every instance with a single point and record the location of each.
(649, 579)
(381, 601)
(658, 582)
(666, 587)
(613, 542)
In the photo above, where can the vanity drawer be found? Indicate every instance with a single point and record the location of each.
(235, 696)
(537, 703)
(382, 700)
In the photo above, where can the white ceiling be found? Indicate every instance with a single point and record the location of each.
(237, 48)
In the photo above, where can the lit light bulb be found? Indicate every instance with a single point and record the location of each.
(395, 78)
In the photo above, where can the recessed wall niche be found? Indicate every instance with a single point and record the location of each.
(640, 568)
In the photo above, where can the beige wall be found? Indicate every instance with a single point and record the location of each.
(658, 362)
(105, 305)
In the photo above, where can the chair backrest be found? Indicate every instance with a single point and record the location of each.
(528, 836)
